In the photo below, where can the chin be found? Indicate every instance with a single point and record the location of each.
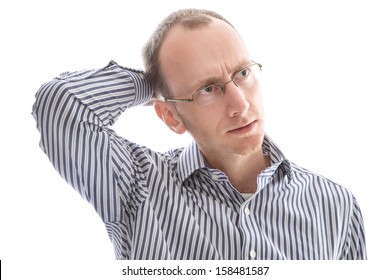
(248, 146)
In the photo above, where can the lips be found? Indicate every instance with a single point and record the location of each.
(243, 128)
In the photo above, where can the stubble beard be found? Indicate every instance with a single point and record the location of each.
(246, 147)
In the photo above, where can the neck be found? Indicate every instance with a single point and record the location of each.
(242, 170)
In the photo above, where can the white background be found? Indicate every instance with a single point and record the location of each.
(326, 69)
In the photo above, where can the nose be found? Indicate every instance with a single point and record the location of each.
(237, 103)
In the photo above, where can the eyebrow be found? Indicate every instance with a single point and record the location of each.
(205, 82)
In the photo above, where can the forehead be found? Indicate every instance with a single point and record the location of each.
(188, 55)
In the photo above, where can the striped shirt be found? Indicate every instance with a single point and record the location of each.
(173, 205)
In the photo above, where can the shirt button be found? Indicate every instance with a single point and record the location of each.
(252, 254)
(214, 177)
(247, 211)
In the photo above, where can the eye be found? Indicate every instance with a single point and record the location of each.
(211, 89)
(242, 74)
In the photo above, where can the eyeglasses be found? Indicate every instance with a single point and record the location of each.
(243, 78)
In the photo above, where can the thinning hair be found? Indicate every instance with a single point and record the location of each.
(188, 18)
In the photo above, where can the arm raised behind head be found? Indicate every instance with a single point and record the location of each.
(73, 113)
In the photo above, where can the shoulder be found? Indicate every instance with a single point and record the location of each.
(320, 187)
(145, 155)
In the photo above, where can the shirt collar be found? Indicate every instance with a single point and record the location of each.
(277, 158)
(192, 159)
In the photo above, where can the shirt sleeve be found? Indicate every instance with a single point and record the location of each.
(356, 245)
(73, 113)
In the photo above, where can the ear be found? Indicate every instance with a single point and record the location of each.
(168, 114)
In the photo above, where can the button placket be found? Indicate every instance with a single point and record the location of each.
(246, 214)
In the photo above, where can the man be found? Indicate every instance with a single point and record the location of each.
(231, 194)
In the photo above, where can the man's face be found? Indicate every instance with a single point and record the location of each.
(192, 59)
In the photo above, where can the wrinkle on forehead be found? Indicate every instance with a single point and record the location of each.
(211, 53)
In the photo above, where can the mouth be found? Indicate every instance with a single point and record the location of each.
(242, 129)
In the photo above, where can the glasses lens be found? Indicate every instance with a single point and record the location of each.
(246, 76)
(208, 94)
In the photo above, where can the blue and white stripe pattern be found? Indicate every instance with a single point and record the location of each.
(172, 205)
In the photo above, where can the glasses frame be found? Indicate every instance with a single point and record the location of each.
(222, 83)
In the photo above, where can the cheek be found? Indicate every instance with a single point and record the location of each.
(257, 102)
(201, 123)
(258, 105)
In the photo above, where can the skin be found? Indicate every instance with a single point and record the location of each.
(230, 131)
